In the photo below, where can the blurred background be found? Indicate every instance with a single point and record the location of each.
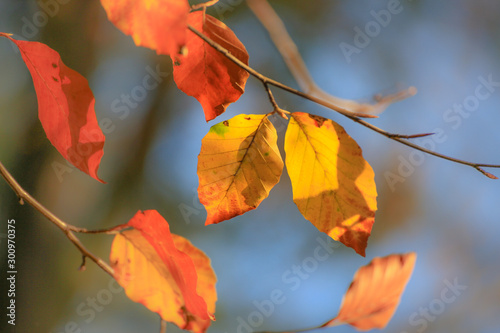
(447, 213)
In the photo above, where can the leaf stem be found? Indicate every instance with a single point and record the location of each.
(281, 112)
(163, 326)
(351, 115)
(64, 227)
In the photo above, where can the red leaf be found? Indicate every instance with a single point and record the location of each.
(65, 106)
(374, 294)
(179, 264)
(159, 25)
(206, 74)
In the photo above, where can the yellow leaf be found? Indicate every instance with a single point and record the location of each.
(375, 292)
(238, 165)
(164, 272)
(333, 186)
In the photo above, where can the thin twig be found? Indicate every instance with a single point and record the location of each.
(281, 112)
(204, 4)
(83, 266)
(290, 53)
(411, 136)
(109, 231)
(353, 116)
(270, 81)
(163, 326)
(330, 323)
(294, 331)
(65, 228)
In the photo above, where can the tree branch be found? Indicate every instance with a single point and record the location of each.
(277, 109)
(290, 53)
(270, 81)
(403, 139)
(65, 228)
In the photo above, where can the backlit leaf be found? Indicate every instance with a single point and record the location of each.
(208, 75)
(238, 165)
(333, 186)
(160, 25)
(65, 106)
(375, 292)
(164, 272)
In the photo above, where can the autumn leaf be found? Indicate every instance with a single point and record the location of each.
(238, 165)
(375, 292)
(164, 272)
(204, 73)
(160, 25)
(333, 186)
(65, 106)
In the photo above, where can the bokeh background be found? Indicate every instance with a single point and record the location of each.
(447, 213)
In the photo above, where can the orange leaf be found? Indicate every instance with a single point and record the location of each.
(208, 75)
(238, 165)
(375, 292)
(65, 106)
(333, 186)
(159, 25)
(164, 272)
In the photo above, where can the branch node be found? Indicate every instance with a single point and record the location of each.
(282, 113)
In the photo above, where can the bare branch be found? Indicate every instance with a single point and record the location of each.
(110, 231)
(270, 81)
(290, 53)
(281, 112)
(411, 136)
(65, 228)
(353, 116)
